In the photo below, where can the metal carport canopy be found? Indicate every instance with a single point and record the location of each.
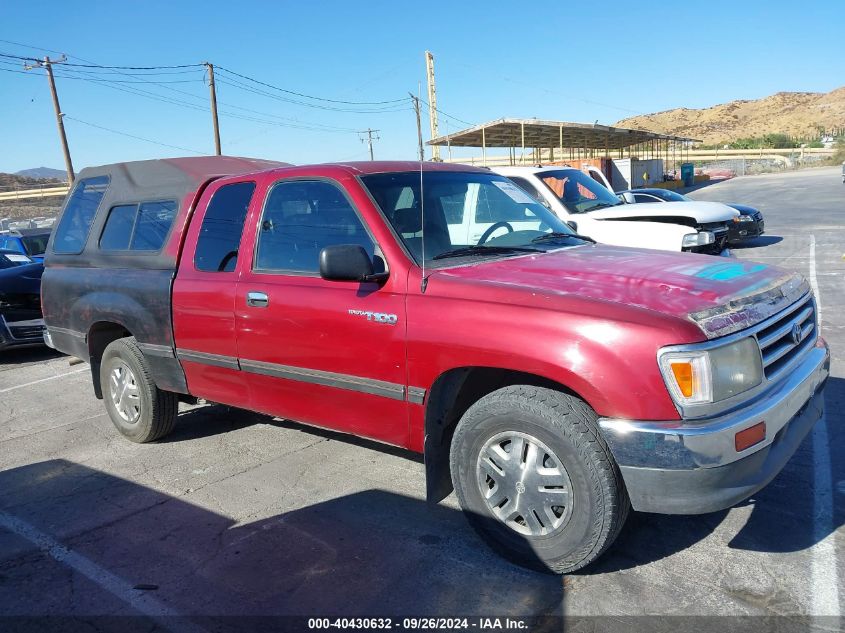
(544, 134)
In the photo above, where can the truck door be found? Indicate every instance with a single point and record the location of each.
(329, 353)
(204, 294)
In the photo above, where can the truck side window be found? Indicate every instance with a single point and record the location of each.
(220, 233)
(73, 229)
(495, 206)
(301, 218)
(526, 186)
(152, 225)
(118, 228)
(138, 227)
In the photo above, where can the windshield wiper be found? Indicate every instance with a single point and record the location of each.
(602, 205)
(480, 249)
(548, 237)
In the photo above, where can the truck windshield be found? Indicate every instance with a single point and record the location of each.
(465, 215)
(577, 191)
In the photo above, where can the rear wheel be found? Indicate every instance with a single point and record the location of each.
(138, 408)
(536, 479)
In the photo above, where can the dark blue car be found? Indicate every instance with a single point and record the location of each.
(30, 242)
(21, 322)
(749, 223)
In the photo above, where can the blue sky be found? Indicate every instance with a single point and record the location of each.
(556, 60)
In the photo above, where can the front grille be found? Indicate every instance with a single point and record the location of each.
(27, 331)
(777, 342)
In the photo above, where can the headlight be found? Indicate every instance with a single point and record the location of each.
(712, 375)
(745, 218)
(702, 238)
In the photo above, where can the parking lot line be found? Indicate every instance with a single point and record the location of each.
(35, 382)
(825, 593)
(118, 587)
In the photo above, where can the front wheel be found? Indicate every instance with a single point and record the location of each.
(536, 479)
(138, 408)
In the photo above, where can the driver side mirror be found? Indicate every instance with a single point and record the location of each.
(348, 262)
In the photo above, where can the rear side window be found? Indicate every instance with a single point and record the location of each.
(152, 225)
(35, 244)
(118, 229)
(220, 233)
(138, 227)
(73, 229)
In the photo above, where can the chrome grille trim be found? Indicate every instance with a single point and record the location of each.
(777, 346)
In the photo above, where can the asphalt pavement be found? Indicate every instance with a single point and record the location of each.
(240, 514)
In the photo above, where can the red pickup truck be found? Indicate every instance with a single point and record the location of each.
(553, 382)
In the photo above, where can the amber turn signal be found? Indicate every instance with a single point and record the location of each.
(750, 436)
(683, 376)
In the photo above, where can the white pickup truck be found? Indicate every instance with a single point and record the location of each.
(593, 210)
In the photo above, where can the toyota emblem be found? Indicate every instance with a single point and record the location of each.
(796, 333)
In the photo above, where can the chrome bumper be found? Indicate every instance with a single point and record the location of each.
(689, 468)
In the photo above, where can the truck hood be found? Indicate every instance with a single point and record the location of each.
(718, 295)
(700, 211)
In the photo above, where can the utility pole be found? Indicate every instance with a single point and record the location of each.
(47, 64)
(369, 140)
(432, 103)
(213, 91)
(416, 101)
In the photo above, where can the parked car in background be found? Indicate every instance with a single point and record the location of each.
(749, 223)
(590, 208)
(29, 242)
(21, 324)
(553, 382)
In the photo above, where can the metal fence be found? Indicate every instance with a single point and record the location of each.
(9, 224)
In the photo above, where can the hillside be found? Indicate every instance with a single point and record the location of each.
(43, 172)
(21, 209)
(9, 182)
(794, 113)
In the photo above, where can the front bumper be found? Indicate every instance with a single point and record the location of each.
(21, 333)
(693, 468)
(739, 231)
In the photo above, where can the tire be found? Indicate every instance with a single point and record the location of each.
(138, 408)
(565, 534)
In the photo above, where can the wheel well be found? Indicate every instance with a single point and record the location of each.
(99, 337)
(450, 396)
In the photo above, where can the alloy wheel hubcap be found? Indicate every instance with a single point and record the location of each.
(123, 389)
(524, 484)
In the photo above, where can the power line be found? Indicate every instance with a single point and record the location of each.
(92, 65)
(307, 96)
(117, 81)
(139, 138)
(318, 106)
(134, 67)
(445, 114)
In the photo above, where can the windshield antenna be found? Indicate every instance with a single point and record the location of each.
(416, 101)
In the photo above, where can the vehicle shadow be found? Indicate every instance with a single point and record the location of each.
(215, 419)
(28, 355)
(778, 521)
(784, 515)
(757, 242)
(371, 553)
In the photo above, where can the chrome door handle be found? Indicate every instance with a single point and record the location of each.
(257, 299)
